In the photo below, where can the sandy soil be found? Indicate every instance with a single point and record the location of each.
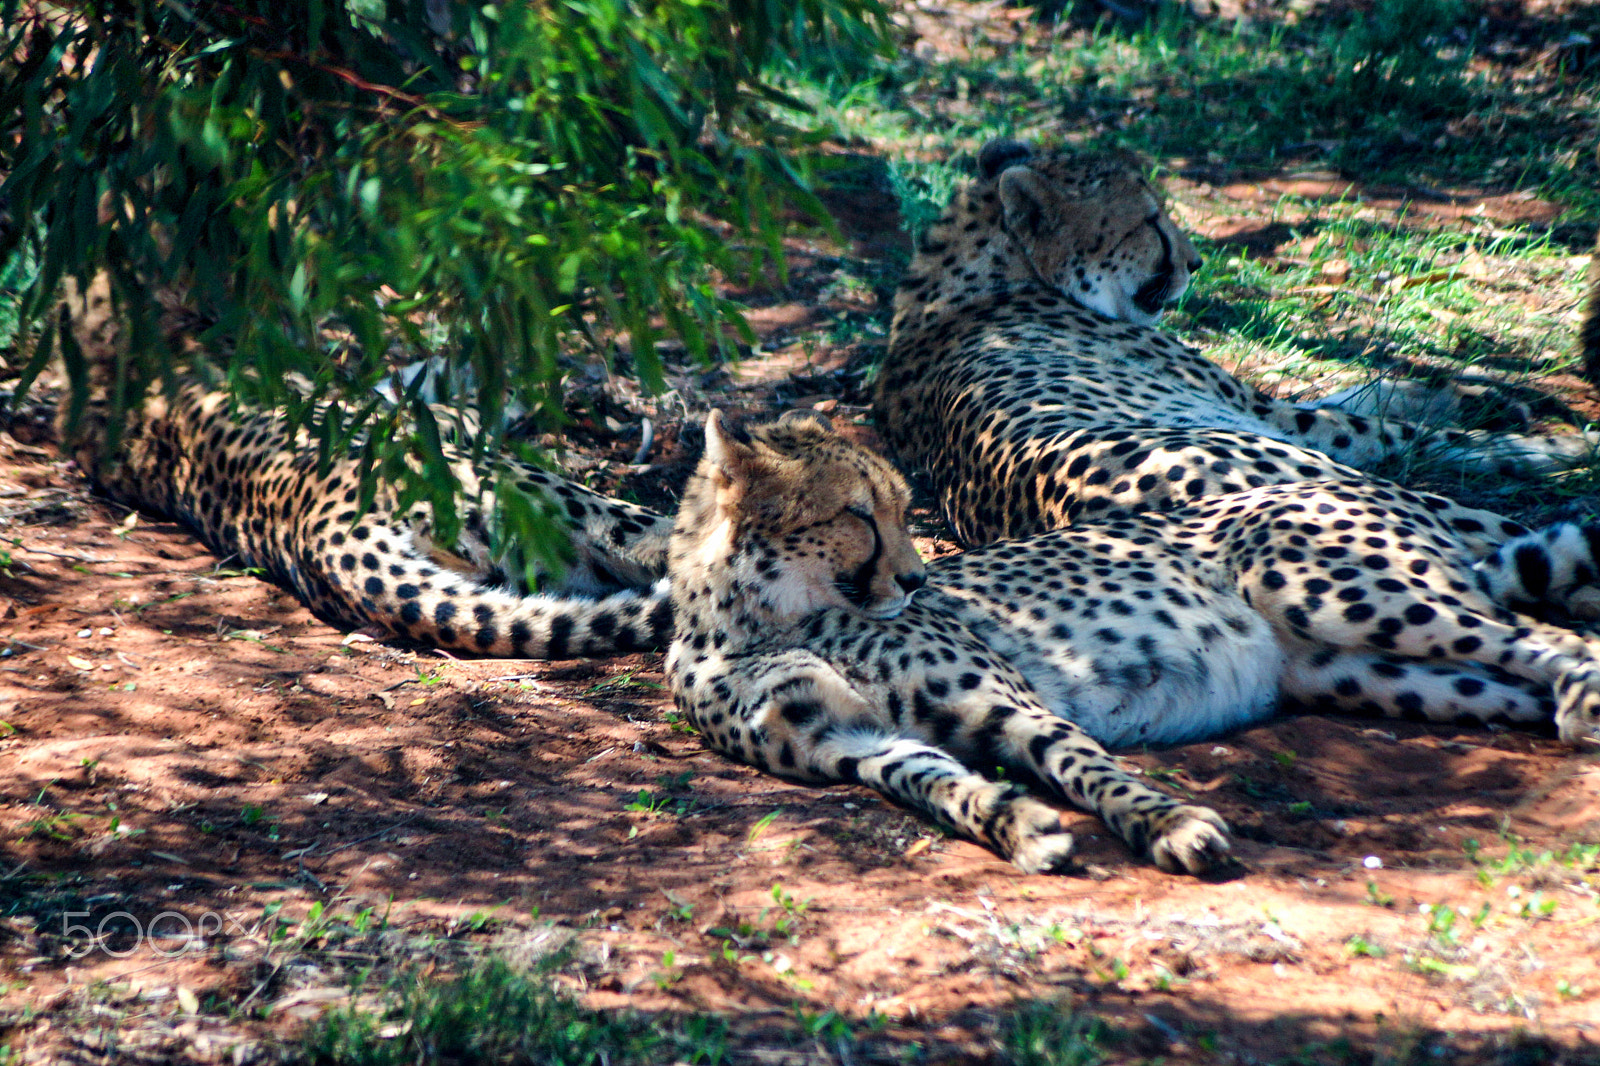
(186, 750)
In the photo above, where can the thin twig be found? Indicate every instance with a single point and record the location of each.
(362, 840)
(649, 437)
(17, 544)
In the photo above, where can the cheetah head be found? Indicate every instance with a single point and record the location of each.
(801, 519)
(1091, 227)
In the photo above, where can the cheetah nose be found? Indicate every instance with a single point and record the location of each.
(911, 582)
(1196, 263)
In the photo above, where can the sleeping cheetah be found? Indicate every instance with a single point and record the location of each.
(811, 641)
(1025, 379)
(252, 489)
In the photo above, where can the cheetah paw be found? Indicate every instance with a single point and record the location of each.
(1042, 846)
(1578, 707)
(1189, 839)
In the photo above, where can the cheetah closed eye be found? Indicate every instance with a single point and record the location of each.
(1026, 379)
(812, 642)
(804, 645)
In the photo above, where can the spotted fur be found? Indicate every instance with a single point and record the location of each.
(252, 489)
(799, 649)
(812, 642)
(1025, 378)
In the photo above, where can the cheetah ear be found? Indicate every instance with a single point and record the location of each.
(728, 447)
(1022, 200)
(805, 417)
(999, 154)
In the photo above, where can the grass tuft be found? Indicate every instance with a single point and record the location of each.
(1054, 1034)
(495, 1014)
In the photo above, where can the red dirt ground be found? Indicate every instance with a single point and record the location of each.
(184, 740)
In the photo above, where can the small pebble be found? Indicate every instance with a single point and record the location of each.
(1372, 862)
(106, 631)
(85, 634)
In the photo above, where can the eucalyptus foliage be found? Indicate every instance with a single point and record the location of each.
(333, 185)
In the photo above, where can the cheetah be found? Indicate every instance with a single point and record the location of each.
(811, 641)
(1026, 379)
(254, 490)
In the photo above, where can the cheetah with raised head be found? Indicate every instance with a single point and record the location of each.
(811, 641)
(1025, 378)
(252, 490)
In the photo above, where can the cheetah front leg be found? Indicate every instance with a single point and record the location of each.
(1177, 836)
(807, 721)
(930, 779)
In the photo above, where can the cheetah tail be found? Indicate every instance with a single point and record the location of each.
(461, 615)
(1558, 565)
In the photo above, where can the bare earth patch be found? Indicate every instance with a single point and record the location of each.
(186, 741)
(215, 810)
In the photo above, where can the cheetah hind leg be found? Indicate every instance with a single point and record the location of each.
(1369, 684)
(933, 781)
(1178, 837)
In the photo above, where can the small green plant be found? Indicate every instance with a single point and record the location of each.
(1429, 964)
(762, 824)
(494, 1013)
(1162, 978)
(783, 925)
(678, 722)
(828, 1026)
(668, 975)
(253, 638)
(1536, 907)
(622, 683)
(1359, 945)
(1441, 922)
(1377, 896)
(1054, 1034)
(52, 825)
(647, 802)
(478, 921)
(254, 816)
